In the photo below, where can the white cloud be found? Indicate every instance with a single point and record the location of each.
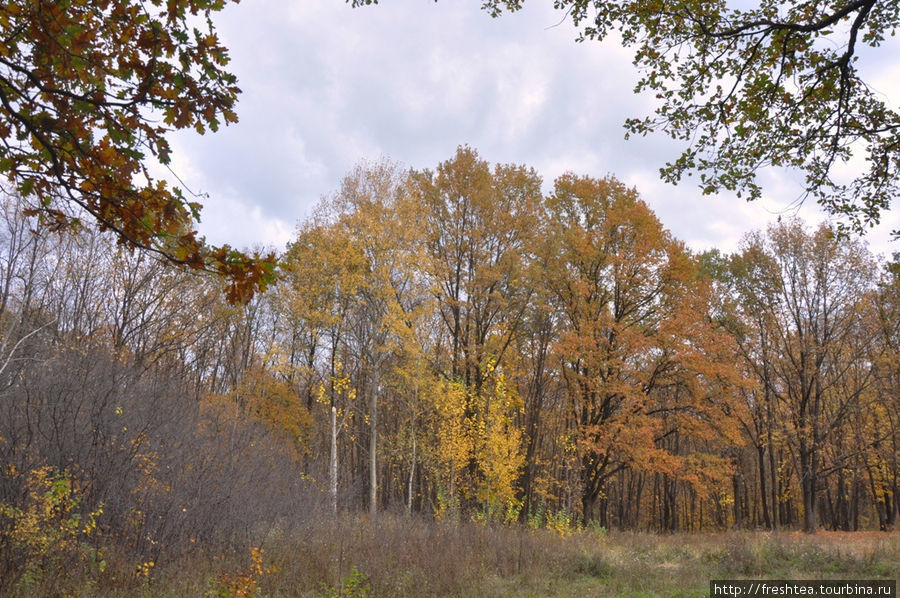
(242, 224)
(326, 86)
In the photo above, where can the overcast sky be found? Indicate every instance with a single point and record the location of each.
(326, 86)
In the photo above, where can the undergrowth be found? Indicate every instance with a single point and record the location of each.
(396, 556)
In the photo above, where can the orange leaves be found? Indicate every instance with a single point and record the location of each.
(115, 75)
(243, 584)
(106, 155)
(245, 275)
(641, 358)
(274, 403)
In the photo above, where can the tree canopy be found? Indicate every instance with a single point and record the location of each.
(89, 92)
(764, 84)
(556, 358)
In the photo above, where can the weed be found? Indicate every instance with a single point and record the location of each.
(594, 565)
(244, 584)
(354, 585)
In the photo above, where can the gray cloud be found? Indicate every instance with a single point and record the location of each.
(325, 86)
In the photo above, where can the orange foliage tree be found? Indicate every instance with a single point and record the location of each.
(643, 364)
(89, 92)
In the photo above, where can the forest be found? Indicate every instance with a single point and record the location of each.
(457, 345)
(462, 380)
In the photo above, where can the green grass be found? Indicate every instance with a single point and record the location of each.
(396, 557)
(683, 564)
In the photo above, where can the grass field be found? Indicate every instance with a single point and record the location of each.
(396, 556)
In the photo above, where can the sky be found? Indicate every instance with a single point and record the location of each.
(326, 86)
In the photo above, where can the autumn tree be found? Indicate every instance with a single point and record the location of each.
(802, 291)
(335, 266)
(541, 394)
(89, 94)
(642, 363)
(349, 299)
(750, 328)
(370, 205)
(877, 428)
(376, 312)
(477, 224)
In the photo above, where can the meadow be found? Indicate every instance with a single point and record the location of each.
(397, 556)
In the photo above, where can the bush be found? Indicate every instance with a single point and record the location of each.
(48, 537)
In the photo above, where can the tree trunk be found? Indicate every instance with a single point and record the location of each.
(738, 510)
(333, 462)
(760, 454)
(373, 446)
(773, 479)
(412, 474)
(588, 506)
(809, 486)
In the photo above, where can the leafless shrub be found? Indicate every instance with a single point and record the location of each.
(170, 472)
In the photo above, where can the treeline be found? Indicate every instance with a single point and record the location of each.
(489, 350)
(456, 343)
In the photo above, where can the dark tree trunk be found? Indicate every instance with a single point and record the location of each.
(760, 453)
(809, 486)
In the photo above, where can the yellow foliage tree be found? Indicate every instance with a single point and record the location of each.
(275, 403)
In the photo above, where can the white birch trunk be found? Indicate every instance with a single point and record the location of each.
(333, 465)
(412, 474)
(373, 445)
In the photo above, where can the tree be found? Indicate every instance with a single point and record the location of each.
(880, 423)
(645, 369)
(477, 224)
(336, 265)
(89, 92)
(368, 218)
(800, 294)
(775, 84)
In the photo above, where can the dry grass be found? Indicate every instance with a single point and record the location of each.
(397, 557)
